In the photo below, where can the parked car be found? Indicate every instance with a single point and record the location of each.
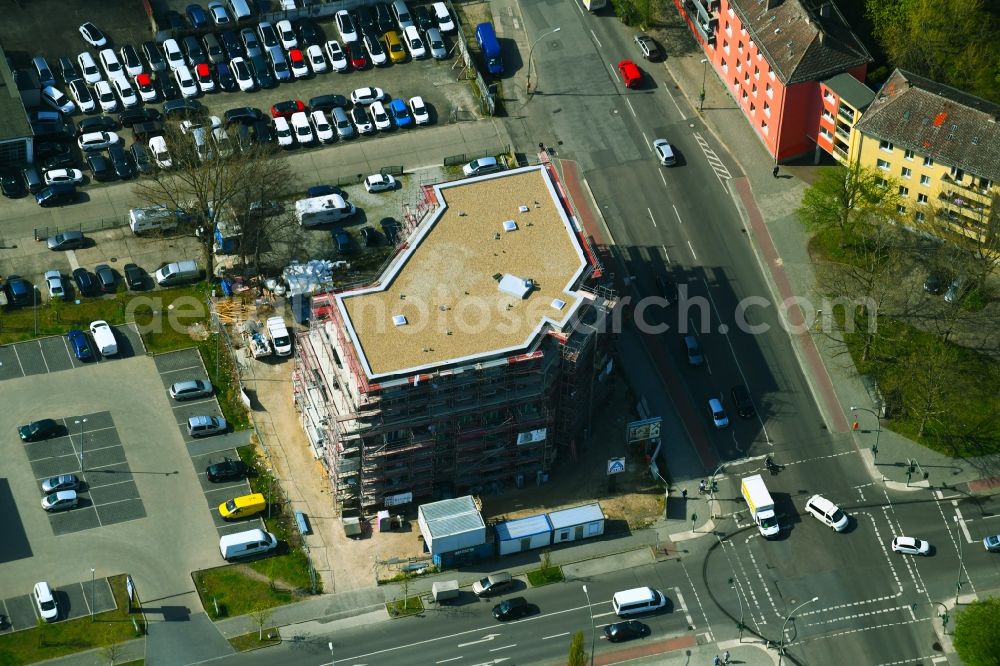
(742, 401)
(227, 470)
(361, 120)
(631, 75)
(64, 176)
(443, 18)
(105, 97)
(345, 26)
(283, 132)
(510, 609)
(45, 602)
(54, 283)
(80, 345)
(61, 482)
(324, 131)
(93, 35)
(204, 426)
(88, 68)
(20, 291)
(97, 140)
(135, 277)
(380, 116)
(435, 44)
(131, 60)
(242, 74)
(335, 54)
(66, 240)
(400, 113)
(84, 281)
(481, 166)
(302, 129)
(100, 167)
(39, 430)
(246, 115)
(956, 290)
(106, 279)
(79, 91)
(327, 102)
(287, 108)
(718, 413)
(647, 46)
(175, 57)
(497, 583)
(191, 389)
(380, 182)
(154, 56)
(120, 161)
(143, 160)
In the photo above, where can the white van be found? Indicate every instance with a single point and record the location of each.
(280, 338)
(246, 544)
(402, 14)
(154, 218)
(104, 338)
(637, 600)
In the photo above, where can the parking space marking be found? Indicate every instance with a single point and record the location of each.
(188, 368)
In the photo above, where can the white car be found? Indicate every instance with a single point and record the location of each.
(125, 93)
(302, 128)
(338, 61)
(158, 147)
(88, 68)
(186, 82)
(130, 60)
(380, 182)
(316, 58)
(93, 35)
(112, 66)
(241, 72)
(97, 140)
(827, 513)
(57, 100)
(175, 57)
(45, 602)
(53, 280)
(444, 20)
(420, 114)
(345, 26)
(366, 96)
(361, 120)
(910, 546)
(375, 51)
(81, 94)
(286, 35)
(284, 133)
(144, 84)
(324, 132)
(105, 97)
(414, 43)
(379, 116)
(58, 176)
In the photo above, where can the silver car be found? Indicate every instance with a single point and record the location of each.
(189, 389)
(60, 501)
(203, 426)
(60, 483)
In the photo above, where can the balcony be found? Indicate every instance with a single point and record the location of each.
(960, 203)
(845, 114)
(969, 186)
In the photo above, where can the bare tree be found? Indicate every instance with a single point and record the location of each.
(113, 648)
(976, 233)
(261, 616)
(205, 183)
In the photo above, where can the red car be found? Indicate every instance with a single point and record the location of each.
(287, 108)
(630, 73)
(356, 55)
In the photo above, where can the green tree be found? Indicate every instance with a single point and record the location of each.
(577, 652)
(842, 198)
(976, 638)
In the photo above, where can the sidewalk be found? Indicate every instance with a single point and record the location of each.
(779, 240)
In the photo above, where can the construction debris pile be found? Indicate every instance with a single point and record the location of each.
(313, 277)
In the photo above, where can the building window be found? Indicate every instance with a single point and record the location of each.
(743, 31)
(957, 174)
(739, 65)
(828, 96)
(729, 30)
(883, 183)
(770, 74)
(744, 97)
(928, 161)
(825, 133)
(756, 72)
(901, 209)
(985, 184)
(730, 12)
(725, 66)
(827, 115)
(922, 198)
(920, 216)
(906, 173)
(754, 90)
(769, 90)
(767, 109)
(763, 126)
(904, 191)
(746, 78)
(882, 164)
(753, 107)
(907, 154)
(725, 46)
(885, 145)
(925, 181)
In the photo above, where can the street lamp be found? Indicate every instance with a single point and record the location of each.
(80, 423)
(781, 647)
(91, 594)
(530, 50)
(958, 537)
(704, 75)
(878, 431)
(711, 486)
(593, 629)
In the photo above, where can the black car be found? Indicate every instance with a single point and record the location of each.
(246, 115)
(101, 167)
(168, 86)
(512, 608)
(143, 115)
(231, 44)
(194, 51)
(173, 20)
(84, 281)
(141, 157)
(123, 166)
(244, 137)
(263, 132)
(154, 56)
(54, 131)
(68, 70)
(742, 401)
(11, 185)
(627, 630)
(225, 77)
(934, 283)
(327, 102)
(146, 131)
(135, 277)
(227, 470)
(183, 108)
(321, 191)
(20, 291)
(97, 124)
(56, 195)
(390, 229)
(62, 161)
(309, 33)
(423, 19)
(365, 20)
(383, 17)
(46, 149)
(36, 430)
(369, 236)
(106, 278)
(261, 72)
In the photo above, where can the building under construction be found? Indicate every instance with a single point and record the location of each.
(474, 361)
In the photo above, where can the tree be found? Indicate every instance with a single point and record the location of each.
(213, 186)
(844, 198)
(976, 638)
(113, 649)
(261, 616)
(577, 652)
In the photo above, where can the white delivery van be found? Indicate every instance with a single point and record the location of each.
(322, 210)
(280, 338)
(104, 337)
(155, 218)
(177, 272)
(637, 600)
(246, 544)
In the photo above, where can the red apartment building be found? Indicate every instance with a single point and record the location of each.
(773, 56)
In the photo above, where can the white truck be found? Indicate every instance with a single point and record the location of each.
(280, 337)
(154, 219)
(594, 5)
(761, 505)
(322, 210)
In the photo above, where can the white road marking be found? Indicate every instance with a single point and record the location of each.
(679, 110)
(665, 255)
(597, 615)
(683, 605)
(645, 138)
(73, 263)
(445, 661)
(488, 638)
(721, 172)
(630, 108)
(965, 528)
(692, 251)
(651, 216)
(565, 633)
(662, 177)
(698, 599)
(594, 34)
(503, 648)
(678, 214)
(614, 72)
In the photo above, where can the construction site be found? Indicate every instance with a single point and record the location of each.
(472, 363)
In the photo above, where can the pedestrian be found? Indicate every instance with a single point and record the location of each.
(774, 171)
(684, 494)
(701, 486)
(716, 661)
(726, 657)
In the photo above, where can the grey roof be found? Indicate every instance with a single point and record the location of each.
(578, 515)
(851, 90)
(932, 119)
(523, 527)
(451, 516)
(13, 119)
(803, 40)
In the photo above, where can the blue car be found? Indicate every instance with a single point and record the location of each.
(400, 113)
(197, 16)
(321, 191)
(80, 344)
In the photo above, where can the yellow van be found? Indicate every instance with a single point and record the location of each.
(394, 46)
(242, 507)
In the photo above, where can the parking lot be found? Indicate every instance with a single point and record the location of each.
(76, 599)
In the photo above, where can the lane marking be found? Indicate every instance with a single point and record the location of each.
(679, 110)
(630, 108)
(651, 216)
(666, 256)
(965, 528)
(692, 251)
(683, 605)
(645, 138)
(565, 633)
(445, 661)
(678, 214)
(594, 34)
(662, 177)
(503, 648)
(714, 161)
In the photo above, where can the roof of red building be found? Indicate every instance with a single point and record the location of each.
(803, 40)
(941, 122)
